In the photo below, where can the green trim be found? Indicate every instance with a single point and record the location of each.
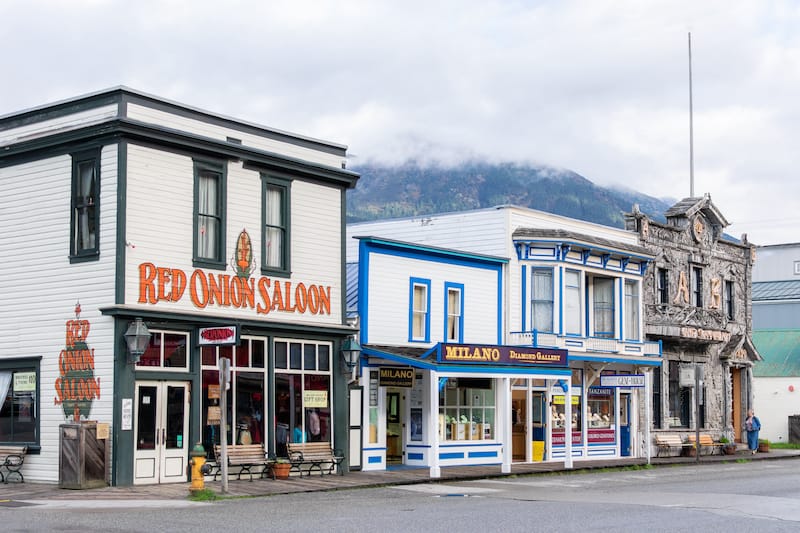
(28, 363)
(219, 171)
(124, 387)
(91, 158)
(285, 187)
(122, 217)
(107, 132)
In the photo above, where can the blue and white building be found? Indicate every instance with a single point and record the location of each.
(523, 331)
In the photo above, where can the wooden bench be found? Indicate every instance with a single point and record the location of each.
(666, 442)
(246, 457)
(706, 443)
(11, 459)
(315, 455)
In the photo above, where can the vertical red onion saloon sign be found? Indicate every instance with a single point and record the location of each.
(76, 387)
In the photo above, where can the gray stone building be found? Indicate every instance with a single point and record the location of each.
(697, 304)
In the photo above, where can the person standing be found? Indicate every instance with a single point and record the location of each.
(752, 424)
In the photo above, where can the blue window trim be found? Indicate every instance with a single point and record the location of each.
(411, 284)
(219, 262)
(460, 287)
(534, 270)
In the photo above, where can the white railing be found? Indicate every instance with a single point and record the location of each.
(586, 344)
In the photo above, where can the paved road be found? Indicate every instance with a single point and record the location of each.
(731, 497)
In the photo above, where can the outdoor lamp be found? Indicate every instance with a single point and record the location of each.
(137, 338)
(351, 351)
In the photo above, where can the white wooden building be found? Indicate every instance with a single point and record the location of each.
(119, 206)
(569, 291)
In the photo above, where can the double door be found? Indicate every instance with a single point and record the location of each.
(161, 421)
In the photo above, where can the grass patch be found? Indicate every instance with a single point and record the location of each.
(205, 495)
(742, 460)
(784, 445)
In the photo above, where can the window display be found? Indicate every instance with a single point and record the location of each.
(467, 409)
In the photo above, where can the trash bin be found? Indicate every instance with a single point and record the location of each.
(83, 456)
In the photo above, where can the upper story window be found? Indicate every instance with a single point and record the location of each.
(454, 313)
(85, 220)
(632, 309)
(542, 300)
(662, 285)
(697, 286)
(603, 307)
(275, 220)
(209, 215)
(727, 300)
(420, 318)
(573, 313)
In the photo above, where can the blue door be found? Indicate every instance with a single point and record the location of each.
(624, 424)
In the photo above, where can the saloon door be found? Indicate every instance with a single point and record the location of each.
(161, 426)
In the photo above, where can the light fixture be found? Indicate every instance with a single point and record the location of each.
(137, 338)
(351, 352)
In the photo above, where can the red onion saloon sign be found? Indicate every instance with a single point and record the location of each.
(76, 387)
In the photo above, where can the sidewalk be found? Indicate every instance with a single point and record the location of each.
(20, 492)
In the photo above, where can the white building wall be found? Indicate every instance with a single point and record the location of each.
(161, 183)
(35, 217)
(777, 263)
(774, 402)
(198, 127)
(58, 125)
(389, 304)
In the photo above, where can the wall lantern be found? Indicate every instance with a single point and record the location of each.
(137, 338)
(351, 352)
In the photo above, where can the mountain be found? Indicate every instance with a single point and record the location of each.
(411, 189)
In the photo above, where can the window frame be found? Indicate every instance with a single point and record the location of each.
(662, 285)
(577, 293)
(26, 364)
(542, 300)
(611, 311)
(201, 168)
(161, 334)
(284, 185)
(728, 299)
(413, 311)
(697, 286)
(78, 254)
(458, 314)
(632, 310)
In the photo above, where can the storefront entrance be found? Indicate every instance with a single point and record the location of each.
(161, 423)
(624, 424)
(395, 426)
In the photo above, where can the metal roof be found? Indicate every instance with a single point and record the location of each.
(776, 290)
(780, 352)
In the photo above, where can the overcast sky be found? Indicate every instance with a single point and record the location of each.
(599, 87)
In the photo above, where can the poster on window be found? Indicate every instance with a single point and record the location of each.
(416, 424)
(315, 398)
(24, 381)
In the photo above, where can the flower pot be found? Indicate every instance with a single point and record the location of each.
(763, 447)
(729, 449)
(281, 470)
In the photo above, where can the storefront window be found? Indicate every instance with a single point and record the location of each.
(166, 351)
(302, 393)
(560, 422)
(600, 407)
(19, 416)
(467, 409)
(245, 399)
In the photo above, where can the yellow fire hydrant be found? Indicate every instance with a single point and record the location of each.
(199, 468)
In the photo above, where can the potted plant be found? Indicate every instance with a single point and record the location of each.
(728, 448)
(281, 467)
(691, 449)
(763, 445)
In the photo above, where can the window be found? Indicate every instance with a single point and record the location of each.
(631, 309)
(209, 215)
(680, 398)
(302, 393)
(246, 397)
(166, 351)
(420, 316)
(573, 314)
(697, 286)
(542, 300)
(85, 220)
(455, 311)
(275, 219)
(19, 401)
(727, 300)
(603, 304)
(663, 286)
(467, 409)
(657, 398)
